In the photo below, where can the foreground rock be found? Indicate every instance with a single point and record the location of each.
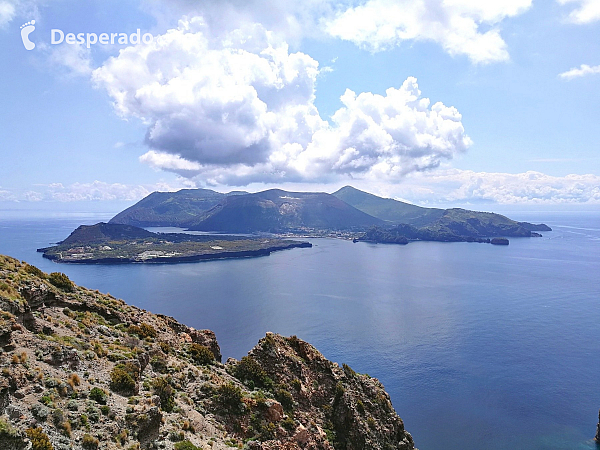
(84, 370)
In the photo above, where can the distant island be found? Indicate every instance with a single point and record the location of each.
(120, 244)
(270, 218)
(348, 213)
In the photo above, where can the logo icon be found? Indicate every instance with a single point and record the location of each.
(26, 30)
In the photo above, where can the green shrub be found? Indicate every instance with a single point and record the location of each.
(159, 364)
(348, 370)
(98, 395)
(360, 406)
(61, 281)
(249, 370)
(186, 445)
(90, 442)
(229, 395)
(39, 439)
(144, 330)
(162, 387)
(165, 347)
(34, 271)
(93, 413)
(7, 431)
(123, 378)
(288, 423)
(201, 354)
(285, 398)
(58, 417)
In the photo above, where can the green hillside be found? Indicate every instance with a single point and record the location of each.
(387, 209)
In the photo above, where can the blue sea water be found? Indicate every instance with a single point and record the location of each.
(479, 346)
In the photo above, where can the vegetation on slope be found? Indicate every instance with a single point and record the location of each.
(393, 211)
(85, 370)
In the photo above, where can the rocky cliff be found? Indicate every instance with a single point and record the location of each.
(84, 370)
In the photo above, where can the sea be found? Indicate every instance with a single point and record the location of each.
(479, 346)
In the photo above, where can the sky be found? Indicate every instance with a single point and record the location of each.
(436, 102)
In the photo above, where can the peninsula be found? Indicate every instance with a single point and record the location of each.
(121, 244)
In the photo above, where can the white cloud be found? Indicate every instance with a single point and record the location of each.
(288, 19)
(7, 12)
(69, 60)
(168, 161)
(577, 72)
(97, 190)
(461, 27)
(25, 9)
(465, 186)
(94, 191)
(6, 195)
(587, 11)
(241, 110)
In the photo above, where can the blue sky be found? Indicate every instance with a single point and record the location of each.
(306, 96)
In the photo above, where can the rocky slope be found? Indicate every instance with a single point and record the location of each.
(170, 209)
(84, 370)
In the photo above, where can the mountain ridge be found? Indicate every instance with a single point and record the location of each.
(277, 210)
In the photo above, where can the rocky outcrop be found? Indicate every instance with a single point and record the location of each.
(354, 409)
(208, 339)
(80, 368)
(597, 437)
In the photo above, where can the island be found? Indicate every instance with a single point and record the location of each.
(348, 213)
(122, 244)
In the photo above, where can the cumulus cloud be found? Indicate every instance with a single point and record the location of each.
(586, 11)
(241, 110)
(582, 71)
(465, 186)
(461, 27)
